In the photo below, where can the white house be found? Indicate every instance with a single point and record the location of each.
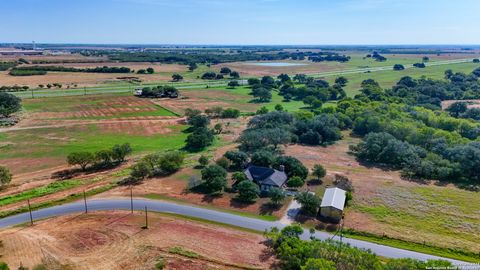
(333, 202)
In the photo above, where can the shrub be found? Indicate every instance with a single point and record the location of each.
(276, 195)
(104, 157)
(238, 177)
(263, 158)
(310, 203)
(209, 76)
(223, 162)
(398, 67)
(4, 266)
(292, 166)
(295, 182)
(247, 191)
(9, 104)
(160, 264)
(119, 152)
(141, 170)
(171, 162)
(319, 171)
(230, 113)
(203, 160)
(343, 182)
(83, 159)
(5, 176)
(419, 65)
(199, 139)
(233, 84)
(177, 77)
(215, 179)
(238, 159)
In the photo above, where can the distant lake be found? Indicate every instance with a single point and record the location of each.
(274, 64)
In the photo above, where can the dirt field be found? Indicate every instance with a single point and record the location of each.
(383, 203)
(115, 240)
(54, 58)
(50, 127)
(204, 98)
(163, 72)
(471, 103)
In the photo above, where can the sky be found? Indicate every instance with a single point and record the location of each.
(241, 22)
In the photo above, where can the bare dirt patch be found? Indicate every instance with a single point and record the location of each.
(163, 72)
(115, 240)
(471, 103)
(18, 166)
(174, 187)
(204, 99)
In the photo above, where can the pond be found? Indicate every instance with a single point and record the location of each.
(274, 64)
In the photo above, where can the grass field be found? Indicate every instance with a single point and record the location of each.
(388, 78)
(55, 127)
(383, 204)
(437, 215)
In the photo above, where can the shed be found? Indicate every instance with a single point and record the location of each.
(333, 202)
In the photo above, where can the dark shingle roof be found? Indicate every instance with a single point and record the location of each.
(266, 176)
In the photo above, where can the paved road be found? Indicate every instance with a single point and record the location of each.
(217, 216)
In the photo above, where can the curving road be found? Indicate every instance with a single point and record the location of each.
(212, 215)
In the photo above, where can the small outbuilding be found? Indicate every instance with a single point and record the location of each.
(266, 178)
(333, 202)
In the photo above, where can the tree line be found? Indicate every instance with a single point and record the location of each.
(14, 88)
(7, 65)
(199, 57)
(45, 69)
(160, 91)
(105, 158)
(404, 128)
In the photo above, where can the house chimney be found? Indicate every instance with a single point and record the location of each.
(282, 168)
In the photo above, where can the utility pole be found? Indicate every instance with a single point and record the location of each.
(30, 210)
(85, 201)
(131, 199)
(146, 218)
(32, 92)
(84, 91)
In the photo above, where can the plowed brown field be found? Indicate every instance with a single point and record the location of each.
(115, 240)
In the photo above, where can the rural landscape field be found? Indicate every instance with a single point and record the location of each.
(152, 150)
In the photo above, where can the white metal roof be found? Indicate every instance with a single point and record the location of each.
(334, 197)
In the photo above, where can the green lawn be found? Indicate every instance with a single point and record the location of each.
(388, 78)
(439, 216)
(48, 142)
(40, 191)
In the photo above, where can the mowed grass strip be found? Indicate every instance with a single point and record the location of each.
(418, 247)
(72, 197)
(41, 191)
